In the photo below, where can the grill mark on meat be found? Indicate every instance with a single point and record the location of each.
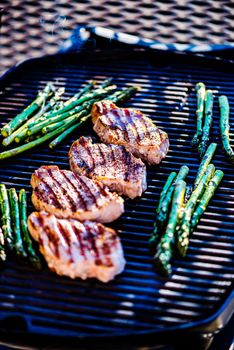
(127, 162)
(132, 123)
(53, 238)
(94, 248)
(112, 147)
(105, 247)
(89, 192)
(88, 151)
(47, 188)
(78, 235)
(77, 190)
(68, 198)
(115, 113)
(63, 232)
(98, 186)
(102, 154)
(146, 131)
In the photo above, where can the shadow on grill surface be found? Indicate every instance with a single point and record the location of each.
(139, 301)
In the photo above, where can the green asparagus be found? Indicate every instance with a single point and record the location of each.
(32, 255)
(14, 204)
(115, 97)
(200, 89)
(184, 229)
(156, 232)
(21, 132)
(224, 127)
(68, 131)
(205, 162)
(27, 112)
(207, 122)
(18, 150)
(6, 218)
(166, 202)
(206, 197)
(37, 127)
(98, 93)
(164, 251)
(82, 92)
(2, 246)
(188, 192)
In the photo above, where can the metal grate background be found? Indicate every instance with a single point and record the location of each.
(34, 28)
(139, 299)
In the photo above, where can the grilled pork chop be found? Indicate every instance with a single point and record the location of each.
(111, 164)
(76, 249)
(67, 195)
(130, 128)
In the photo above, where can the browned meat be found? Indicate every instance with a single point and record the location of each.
(130, 128)
(76, 249)
(67, 195)
(111, 164)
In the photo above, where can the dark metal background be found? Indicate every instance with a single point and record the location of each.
(139, 300)
(34, 28)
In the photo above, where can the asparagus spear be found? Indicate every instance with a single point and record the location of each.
(156, 234)
(14, 204)
(27, 112)
(115, 97)
(188, 192)
(61, 117)
(53, 126)
(166, 202)
(67, 132)
(33, 257)
(18, 150)
(224, 127)
(164, 252)
(206, 197)
(207, 122)
(106, 83)
(82, 92)
(19, 133)
(205, 162)
(200, 89)
(125, 94)
(98, 93)
(6, 218)
(184, 229)
(2, 247)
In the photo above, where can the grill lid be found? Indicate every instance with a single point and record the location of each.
(198, 294)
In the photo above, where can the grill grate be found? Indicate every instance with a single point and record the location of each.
(139, 299)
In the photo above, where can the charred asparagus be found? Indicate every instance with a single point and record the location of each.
(184, 229)
(164, 252)
(224, 127)
(200, 89)
(14, 204)
(206, 197)
(207, 122)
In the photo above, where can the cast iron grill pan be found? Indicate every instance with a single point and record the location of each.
(138, 301)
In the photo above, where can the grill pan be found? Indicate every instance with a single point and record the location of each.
(139, 306)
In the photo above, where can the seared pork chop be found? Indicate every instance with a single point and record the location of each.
(130, 128)
(76, 249)
(67, 195)
(111, 164)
